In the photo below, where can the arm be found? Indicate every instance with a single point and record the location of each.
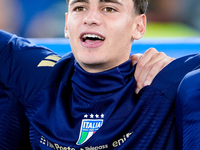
(18, 64)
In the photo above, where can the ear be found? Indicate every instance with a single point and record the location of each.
(66, 27)
(139, 28)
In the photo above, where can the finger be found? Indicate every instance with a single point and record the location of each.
(145, 72)
(152, 72)
(135, 58)
(142, 62)
(156, 68)
(142, 77)
(155, 62)
(143, 65)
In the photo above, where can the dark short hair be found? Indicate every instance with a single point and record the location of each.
(140, 6)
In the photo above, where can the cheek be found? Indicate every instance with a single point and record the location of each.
(118, 35)
(121, 28)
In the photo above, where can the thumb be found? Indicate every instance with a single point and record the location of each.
(135, 58)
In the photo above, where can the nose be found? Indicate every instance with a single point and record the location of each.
(92, 18)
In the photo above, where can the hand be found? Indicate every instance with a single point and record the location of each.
(148, 66)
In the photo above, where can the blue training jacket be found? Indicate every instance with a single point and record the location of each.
(188, 112)
(48, 102)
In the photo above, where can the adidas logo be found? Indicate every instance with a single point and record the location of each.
(49, 61)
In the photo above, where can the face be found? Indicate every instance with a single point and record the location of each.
(101, 32)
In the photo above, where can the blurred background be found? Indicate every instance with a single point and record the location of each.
(46, 19)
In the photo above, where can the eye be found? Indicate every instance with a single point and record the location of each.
(109, 9)
(79, 8)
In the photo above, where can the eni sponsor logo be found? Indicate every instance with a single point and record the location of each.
(122, 140)
(89, 126)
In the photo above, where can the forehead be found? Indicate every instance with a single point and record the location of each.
(125, 4)
(100, 1)
(89, 0)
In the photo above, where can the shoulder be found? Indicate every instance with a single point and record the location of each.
(190, 84)
(11, 44)
(170, 77)
(17, 51)
(23, 65)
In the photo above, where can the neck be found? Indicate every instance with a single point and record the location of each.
(100, 67)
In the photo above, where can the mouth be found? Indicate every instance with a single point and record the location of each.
(91, 37)
(91, 40)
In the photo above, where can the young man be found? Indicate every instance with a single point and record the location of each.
(90, 29)
(86, 99)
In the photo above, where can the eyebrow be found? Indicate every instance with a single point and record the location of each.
(100, 1)
(77, 1)
(110, 1)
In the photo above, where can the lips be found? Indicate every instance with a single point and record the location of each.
(92, 40)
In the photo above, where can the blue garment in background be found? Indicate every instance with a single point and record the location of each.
(188, 111)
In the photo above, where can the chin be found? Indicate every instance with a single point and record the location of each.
(92, 61)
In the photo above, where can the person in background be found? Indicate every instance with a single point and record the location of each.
(187, 111)
(9, 18)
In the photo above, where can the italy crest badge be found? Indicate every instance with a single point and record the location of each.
(89, 126)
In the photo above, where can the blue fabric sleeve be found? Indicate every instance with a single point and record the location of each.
(20, 79)
(188, 111)
(14, 129)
